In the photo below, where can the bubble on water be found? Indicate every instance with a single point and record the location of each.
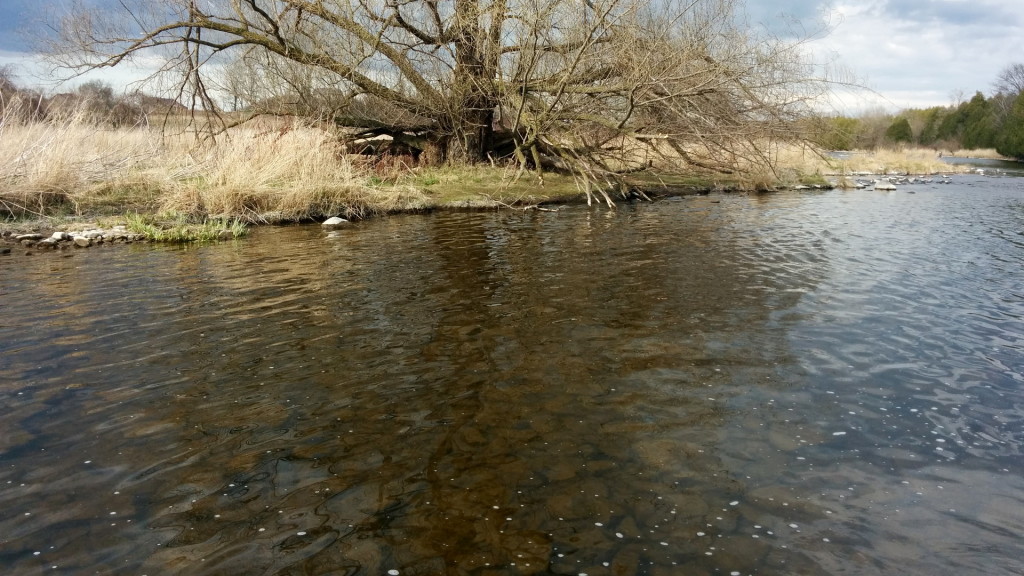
(734, 503)
(700, 533)
(303, 534)
(794, 526)
(618, 534)
(393, 572)
(839, 433)
(598, 524)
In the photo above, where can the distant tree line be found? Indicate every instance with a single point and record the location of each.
(995, 121)
(94, 102)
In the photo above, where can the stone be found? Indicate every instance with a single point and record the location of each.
(27, 242)
(21, 237)
(82, 242)
(58, 236)
(334, 222)
(5, 250)
(47, 243)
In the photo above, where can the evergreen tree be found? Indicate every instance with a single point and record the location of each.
(932, 119)
(979, 127)
(1010, 141)
(899, 131)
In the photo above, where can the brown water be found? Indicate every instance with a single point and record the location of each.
(800, 383)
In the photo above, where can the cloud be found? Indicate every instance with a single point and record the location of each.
(789, 18)
(954, 13)
(920, 53)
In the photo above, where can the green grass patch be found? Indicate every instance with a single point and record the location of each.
(179, 228)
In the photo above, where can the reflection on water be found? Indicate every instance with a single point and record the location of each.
(786, 384)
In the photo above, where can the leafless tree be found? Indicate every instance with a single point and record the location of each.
(597, 87)
(1010, 80)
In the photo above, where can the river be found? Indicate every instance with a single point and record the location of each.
(806, 382)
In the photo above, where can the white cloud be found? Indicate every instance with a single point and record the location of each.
(32, 71)
(919, 53)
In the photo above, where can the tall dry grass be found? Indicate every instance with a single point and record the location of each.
(986, 153)
(291, 173)
(287, 172)
(881, 161)
(44, 165)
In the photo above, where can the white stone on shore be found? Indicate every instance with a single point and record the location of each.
(334, 222)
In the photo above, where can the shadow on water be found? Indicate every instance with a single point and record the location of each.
(661, 389)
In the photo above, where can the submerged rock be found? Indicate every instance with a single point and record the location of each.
(82, 241)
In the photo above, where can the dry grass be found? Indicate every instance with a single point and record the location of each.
(986, 153)
(287, 173)
(43, 164)
(903, 161)
(268, 172)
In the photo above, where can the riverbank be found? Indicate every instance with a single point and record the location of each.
(77, 178)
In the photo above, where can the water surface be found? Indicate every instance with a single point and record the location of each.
(797, 383)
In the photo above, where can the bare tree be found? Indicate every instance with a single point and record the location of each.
(598, 87)
(1010, 80)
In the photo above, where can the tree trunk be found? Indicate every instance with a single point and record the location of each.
(472, 129)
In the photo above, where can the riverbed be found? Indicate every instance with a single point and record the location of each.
(805, 382)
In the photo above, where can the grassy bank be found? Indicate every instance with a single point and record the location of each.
(285, 173)
(293, 172)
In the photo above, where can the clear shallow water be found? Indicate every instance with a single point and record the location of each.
(786, 384)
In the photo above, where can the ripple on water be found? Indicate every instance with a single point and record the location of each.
(777, 384)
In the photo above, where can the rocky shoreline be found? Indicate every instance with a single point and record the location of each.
(66, 240)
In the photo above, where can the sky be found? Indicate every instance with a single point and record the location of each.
(907, 53)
